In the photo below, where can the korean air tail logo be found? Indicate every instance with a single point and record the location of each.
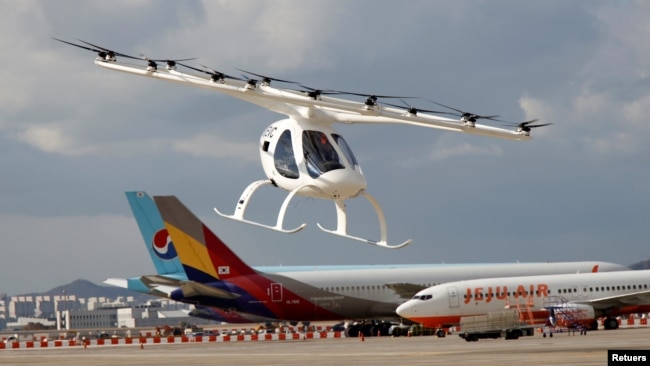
(162, 245)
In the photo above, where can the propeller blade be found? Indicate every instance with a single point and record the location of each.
(470, 116)
(106, 50)
(527, 125)
(414, 110)
(207, 70)
(268, 79)
(315, 93)
(446, 106)
(540, 125)
(169, 62)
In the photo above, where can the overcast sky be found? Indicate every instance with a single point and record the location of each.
(74, 137)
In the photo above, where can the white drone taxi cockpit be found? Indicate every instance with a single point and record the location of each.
(312, 161)
(303, 154)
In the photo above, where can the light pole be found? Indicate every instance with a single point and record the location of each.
(65, 309)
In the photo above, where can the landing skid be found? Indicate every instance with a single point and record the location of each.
(341, 225)
(240, 209)
(341, 216)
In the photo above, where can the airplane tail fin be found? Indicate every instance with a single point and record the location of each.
(595, 269)
(204, 256)
(153, 230)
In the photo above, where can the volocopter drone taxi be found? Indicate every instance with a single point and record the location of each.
(302, 153)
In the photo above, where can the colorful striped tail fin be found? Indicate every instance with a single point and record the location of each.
(204, 256)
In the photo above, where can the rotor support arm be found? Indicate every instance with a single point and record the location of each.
(292, 103)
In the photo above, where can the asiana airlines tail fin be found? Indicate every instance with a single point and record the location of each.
(205, 258)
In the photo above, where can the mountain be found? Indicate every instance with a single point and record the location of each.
(85, 289)
(641, 265)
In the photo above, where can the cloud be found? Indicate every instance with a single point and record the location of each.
(442, 152)
(275, 36)
(51, 139)
(636, 113)
(602, 108)
(216, 147)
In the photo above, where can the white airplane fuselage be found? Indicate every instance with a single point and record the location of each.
(593, 295)
(375, 291)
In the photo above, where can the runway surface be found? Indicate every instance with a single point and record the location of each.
(562, 349)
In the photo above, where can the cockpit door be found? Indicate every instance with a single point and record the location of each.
(452, 293)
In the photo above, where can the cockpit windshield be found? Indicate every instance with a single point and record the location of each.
(422, 297)
(347, 152)
(320, 155)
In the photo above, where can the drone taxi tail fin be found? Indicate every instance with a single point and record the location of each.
(161, 250)
(204, 256)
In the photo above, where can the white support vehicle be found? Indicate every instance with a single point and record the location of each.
(494, 325)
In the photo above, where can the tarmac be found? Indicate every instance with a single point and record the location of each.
(562, 349)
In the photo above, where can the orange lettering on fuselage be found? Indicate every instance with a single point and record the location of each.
(502, 293)
(521, 290)
(478, 293)
(542, 290)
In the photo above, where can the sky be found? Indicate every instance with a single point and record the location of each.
(74, 137)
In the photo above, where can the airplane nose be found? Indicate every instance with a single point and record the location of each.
(407, 309)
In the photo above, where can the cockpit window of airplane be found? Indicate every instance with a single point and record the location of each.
(423, 297)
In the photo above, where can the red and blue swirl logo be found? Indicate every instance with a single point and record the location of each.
(162, 245)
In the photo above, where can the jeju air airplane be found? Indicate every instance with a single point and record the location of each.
(577, 299)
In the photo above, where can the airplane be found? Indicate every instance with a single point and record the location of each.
(218, 278)
(303, 154)
(577, 299)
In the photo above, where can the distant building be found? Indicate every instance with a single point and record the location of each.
(3, 311)
(71, 312)
(129, 317)
(21, 322)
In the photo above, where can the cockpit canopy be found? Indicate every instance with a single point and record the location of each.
(320, 155)
(314, 160)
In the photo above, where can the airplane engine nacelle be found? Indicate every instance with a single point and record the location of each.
(315, 159)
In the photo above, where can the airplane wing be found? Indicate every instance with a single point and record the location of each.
(405, 290)
(636, 298)
(166, 285)
(117, 282)
(191, 288)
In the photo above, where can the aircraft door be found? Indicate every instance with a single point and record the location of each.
(276, 292)
(452, 293)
